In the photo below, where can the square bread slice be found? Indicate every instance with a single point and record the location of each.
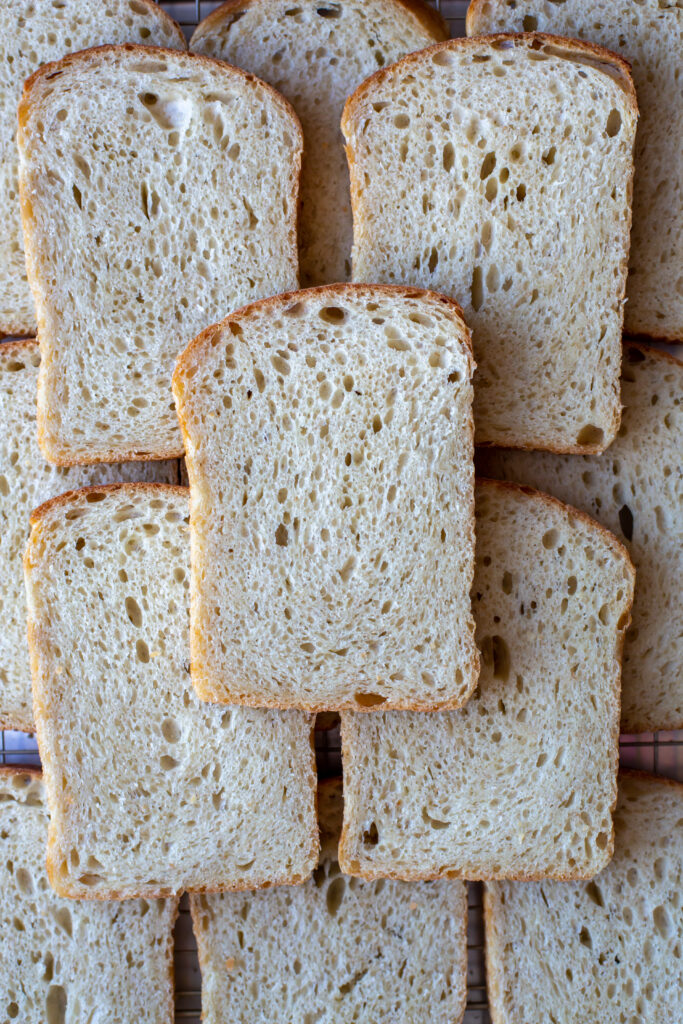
(328, 438)
(159, 191)
(649, 34)
(150, 791)
(66, 960)
(27, 480)
(498, 170)
(608, 951)
(334, 950)
(316, 54)
(521, 783)
(636, 490)
(32, 34)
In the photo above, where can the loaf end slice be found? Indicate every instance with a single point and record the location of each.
(609, 949)
(151, 792)
(316, 55)
(635, 490)
(71, 960)
(189, 211)
(389, 952)
(458, 156)
(328, 438)
(521, 782)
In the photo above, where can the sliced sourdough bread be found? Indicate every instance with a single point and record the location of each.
(159, 192)
(65, 960)
(521, 782)
(649, 34)
(334, 950)
(328, 438)
(316, 55)
(609, 951)
(150, 791)
(27, 480)
(492, 169)
(636, 491)
(32, 34)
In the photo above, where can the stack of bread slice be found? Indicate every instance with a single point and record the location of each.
(466, 269)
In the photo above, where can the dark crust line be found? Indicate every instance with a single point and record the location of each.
(654, 353)
(387, 291)
(8, 348)
(43, 511)
(192, 352)
(620, 551)
(426, 16)
(89, 57)
(494, 975)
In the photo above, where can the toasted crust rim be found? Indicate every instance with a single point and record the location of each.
(426, 16)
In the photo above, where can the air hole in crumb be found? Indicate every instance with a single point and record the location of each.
(613, 126)
(170, 730)
(55, 1005)
(371, 835)
(332, 314)
(142, 651)
(590, 435)
(282, 536)
(477, 289)
(626, 522)
(550, 539)
(448, 156)
(133, 611)
(167, 762)
(335, 895)
(368, 700)
(488, 165)
(530, 23)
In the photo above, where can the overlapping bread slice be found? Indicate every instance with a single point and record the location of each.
(335, 948)
(521, 782)
(150, 791)
(636, 490)
(649, 34)
(316, 54)
(32, 34)
(328, 438)
(67, 960)
(159, 191)
(27, 480)
(609, 950)
(498, 170)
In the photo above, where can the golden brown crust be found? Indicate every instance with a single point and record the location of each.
(426, 16)
(654, 353)
(193, 352)
(90, 56)
(9, 348)
(20, 769)
(637, 773)
(68, 497)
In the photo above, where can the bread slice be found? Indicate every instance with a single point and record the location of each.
(521, 782)
(66, 960)
(27, 480)
(316, 54)
(636, 491)
(159, 191)
(32, 34)
(609, 951)
(492, 169)
(150, 791)
(328, 438)
(649, 34)
(334, 949)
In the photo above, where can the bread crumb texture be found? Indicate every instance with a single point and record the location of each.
(499, 171)
(159, 191)
(316, 54)
(328, 439)
(68, 960)
(649, 34)
(636, 491)
(609, 950)
(32, 34)
(151, 792)
(521, 782)
(27, 480)
(337, 950)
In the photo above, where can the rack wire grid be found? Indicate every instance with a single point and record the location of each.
(661, 753)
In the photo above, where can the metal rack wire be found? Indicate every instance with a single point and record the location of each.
(661, 753)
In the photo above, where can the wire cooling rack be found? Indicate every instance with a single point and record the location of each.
(661, 753)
